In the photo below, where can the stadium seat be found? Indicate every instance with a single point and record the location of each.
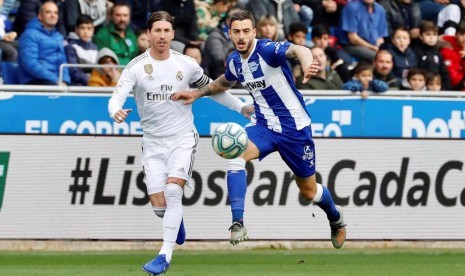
(10, 73)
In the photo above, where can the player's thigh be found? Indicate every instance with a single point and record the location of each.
(183, 149)
(298, 151)
(261, 142)
(154, 165)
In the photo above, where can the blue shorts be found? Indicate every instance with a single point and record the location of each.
(297, 148)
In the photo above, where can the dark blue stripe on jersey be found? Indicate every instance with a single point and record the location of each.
(238, 66)
(279, 109)
(259, 116)
(290, 79)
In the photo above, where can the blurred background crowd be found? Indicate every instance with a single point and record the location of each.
(361, 45)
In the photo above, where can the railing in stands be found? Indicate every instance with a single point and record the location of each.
(238, 92)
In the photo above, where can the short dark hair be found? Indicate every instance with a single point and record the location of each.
(159, 16)
(119, 4)
(399, 29)
(191, 46)
(297, 27)
(461, 27)
(383, 52)
(428, 26)
(362, 66)
(242, 15)
(416, 71)
(319, 31)
(84, 19)
(431, 77)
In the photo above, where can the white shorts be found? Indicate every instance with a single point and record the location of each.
(168, 157)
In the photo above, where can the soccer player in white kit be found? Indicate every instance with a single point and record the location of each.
(170, 139)
(282, 121)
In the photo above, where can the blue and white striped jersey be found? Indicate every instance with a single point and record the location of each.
(279, 106)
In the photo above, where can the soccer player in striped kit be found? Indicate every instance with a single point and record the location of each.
(170, 139)
(282, 121)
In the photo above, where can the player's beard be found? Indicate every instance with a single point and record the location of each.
(242, 52)
(121, 26)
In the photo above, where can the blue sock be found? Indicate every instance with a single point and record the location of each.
(326, 203)
(237, 187)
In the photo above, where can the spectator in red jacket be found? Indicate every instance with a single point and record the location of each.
(453, 54)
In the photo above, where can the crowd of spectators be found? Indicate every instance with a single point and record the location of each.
(360, 45)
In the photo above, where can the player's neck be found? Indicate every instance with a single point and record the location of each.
(251, 48)
(159, 55)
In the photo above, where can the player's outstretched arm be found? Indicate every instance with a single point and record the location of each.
(304, 55)
(217, 86)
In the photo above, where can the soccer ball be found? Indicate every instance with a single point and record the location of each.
(229, 140)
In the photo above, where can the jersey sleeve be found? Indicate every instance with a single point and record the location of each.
(229, 100)
(121, 91)
(274, 53)
(230, 72)
(197, 73)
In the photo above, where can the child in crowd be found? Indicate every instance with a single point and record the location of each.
(403, 56)
(194, 52)
(433, 82)
(320, 38)
(298, 34)
(363, 81)
(454, 54)
(143, 42)
(416, 80)
(107, 76)
(325, 79)
(428, 55)
(81, 50)
(267, 27)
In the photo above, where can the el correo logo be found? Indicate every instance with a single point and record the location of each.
(4, 158)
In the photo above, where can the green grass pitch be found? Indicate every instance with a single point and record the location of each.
(242, 262)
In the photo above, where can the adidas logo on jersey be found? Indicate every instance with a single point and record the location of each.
(181, 170)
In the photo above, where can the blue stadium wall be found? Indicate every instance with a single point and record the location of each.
(382, 117)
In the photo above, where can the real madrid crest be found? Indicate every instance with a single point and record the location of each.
(179, 76)
(148, 68)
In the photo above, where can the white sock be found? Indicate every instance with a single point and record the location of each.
(172, 218)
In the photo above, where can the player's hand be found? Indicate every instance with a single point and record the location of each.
(310, 71)
(114, 74)
(121, 115)
(364, 94)
(188, 96)
(248, 110)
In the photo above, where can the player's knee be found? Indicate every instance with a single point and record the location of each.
(308, 193)
(236, 164)
(159, 211)
(173, 192)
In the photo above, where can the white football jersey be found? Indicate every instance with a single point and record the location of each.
(153, 83)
